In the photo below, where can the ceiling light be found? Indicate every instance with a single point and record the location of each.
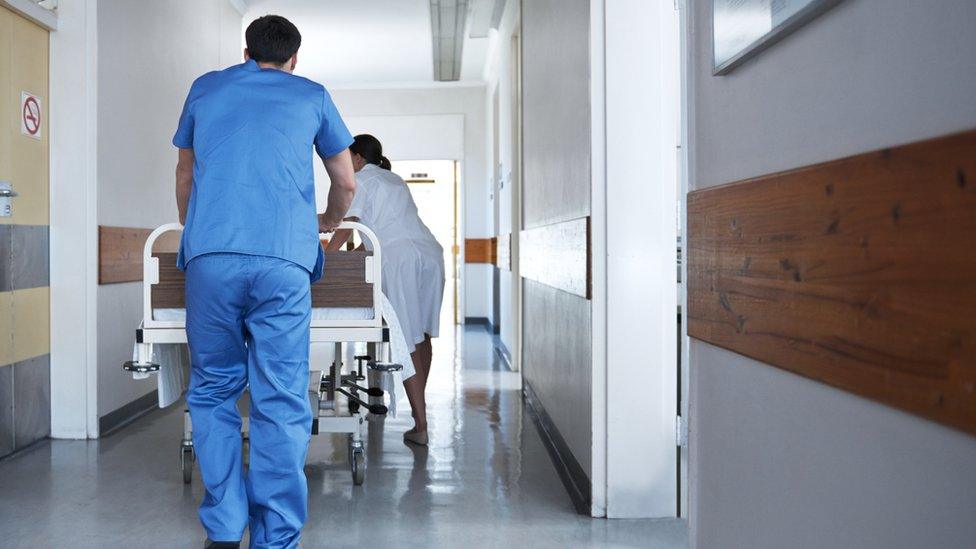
(447, 22)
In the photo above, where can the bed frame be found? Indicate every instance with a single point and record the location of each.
(351, 279)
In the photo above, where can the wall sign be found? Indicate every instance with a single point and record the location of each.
(743, 28)
(30, 115)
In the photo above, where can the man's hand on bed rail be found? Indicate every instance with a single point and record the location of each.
(327, 225)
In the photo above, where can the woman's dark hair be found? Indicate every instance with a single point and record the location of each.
(371, 149)
(272, 39)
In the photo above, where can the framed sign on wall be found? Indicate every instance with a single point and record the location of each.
(743, 28)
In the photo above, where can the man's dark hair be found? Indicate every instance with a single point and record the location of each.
(272, 39)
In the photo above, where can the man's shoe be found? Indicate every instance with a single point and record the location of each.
(222, 544)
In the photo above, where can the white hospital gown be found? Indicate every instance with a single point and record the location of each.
(413, 261)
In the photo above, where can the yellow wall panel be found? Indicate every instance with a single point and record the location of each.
(8, 109)
(28, 48)
(32, 322)
(6, 328)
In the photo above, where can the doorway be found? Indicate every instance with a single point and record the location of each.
(434, 187)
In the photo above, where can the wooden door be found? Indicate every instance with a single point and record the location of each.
(24, 294)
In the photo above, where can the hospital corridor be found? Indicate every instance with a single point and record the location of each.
(488, 273)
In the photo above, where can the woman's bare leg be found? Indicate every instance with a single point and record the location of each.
(416, 385)
(428, 357)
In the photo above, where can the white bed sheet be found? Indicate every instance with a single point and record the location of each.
(318, 313)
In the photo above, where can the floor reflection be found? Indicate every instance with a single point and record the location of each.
(484, 481)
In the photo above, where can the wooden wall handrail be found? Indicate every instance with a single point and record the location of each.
(503, 252)
(479, 250)
(860, 273)
(558, 255)
(120, 252)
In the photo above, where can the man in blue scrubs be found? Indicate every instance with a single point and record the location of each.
(250, 249)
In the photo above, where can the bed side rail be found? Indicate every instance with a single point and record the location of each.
(151, 276)
(352, 279)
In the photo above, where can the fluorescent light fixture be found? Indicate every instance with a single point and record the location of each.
(447, 22)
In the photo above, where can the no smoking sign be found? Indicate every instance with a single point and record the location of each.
(30, 115)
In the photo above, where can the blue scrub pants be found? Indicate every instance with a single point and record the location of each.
(247, 322)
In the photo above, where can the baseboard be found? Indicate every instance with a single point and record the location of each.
(22, 451)
(504, 354)
(574, 478)
(126, 414)
(479, 320)
(490, 327)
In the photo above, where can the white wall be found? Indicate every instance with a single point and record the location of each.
(778, 460)
(423, 121)
(148, 55)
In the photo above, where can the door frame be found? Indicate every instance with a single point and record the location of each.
(73, 220)
(634, 471)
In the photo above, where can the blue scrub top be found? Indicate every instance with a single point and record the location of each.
(252, 131)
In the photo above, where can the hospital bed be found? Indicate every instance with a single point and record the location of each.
(348, 307)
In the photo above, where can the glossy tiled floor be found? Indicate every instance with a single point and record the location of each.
(485, 480)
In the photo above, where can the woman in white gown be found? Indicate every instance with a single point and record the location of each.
(413, 263)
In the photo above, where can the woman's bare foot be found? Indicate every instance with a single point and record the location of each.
(416, 437)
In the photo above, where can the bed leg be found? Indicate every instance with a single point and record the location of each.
(187, 455)
(335, 372)
(187, 427)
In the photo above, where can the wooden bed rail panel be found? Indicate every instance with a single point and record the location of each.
(168, 293)
(859, 273)
(343, 284)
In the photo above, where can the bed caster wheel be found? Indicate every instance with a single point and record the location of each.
(357, 460)
(385, 367)
(358, 466)
(140, 367)
(187, 457)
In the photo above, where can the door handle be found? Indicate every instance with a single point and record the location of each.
(6, 193)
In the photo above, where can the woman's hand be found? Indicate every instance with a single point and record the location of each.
(338, 240)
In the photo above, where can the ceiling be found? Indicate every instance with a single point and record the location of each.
(367, 43)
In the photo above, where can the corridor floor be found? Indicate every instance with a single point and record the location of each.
(485, 481)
